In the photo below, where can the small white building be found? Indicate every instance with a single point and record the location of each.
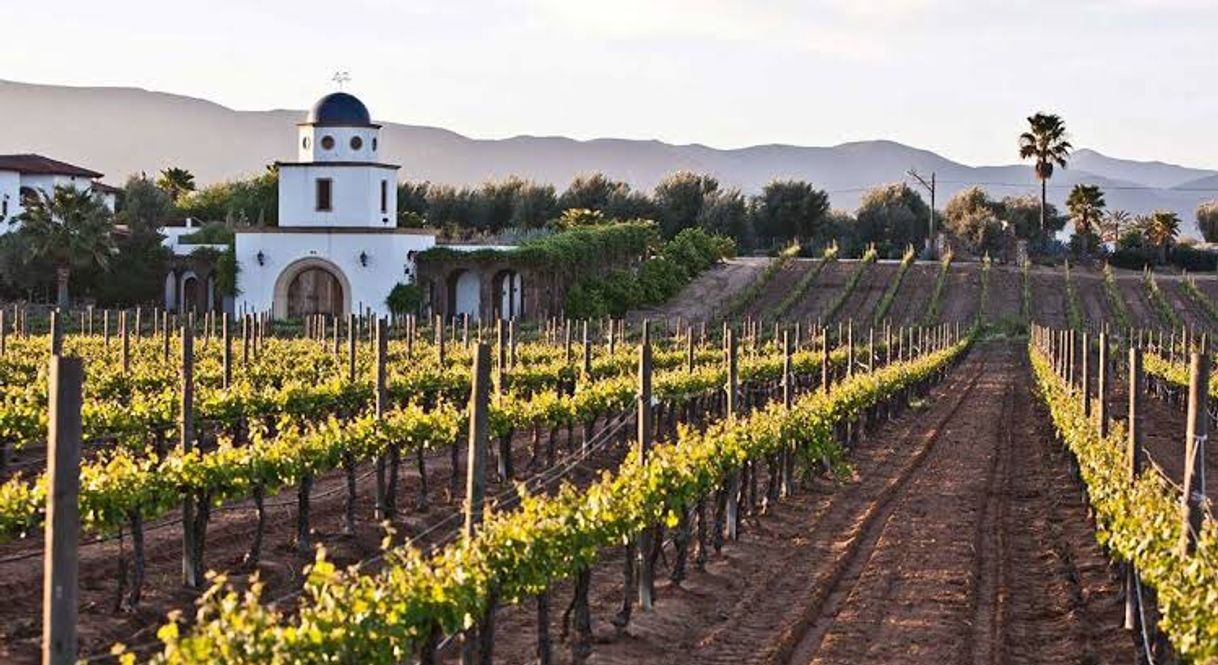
(337, 249)
(23, 175)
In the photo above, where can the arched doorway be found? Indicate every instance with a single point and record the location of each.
(509, 294)
(190, 293)
(314, 291)
(464, 294)
(311, 286)
(171, 291)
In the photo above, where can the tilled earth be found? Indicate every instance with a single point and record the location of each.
(958, 537)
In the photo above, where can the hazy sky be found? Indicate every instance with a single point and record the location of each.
(1133, 78)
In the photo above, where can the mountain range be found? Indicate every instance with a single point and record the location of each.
(121, 131)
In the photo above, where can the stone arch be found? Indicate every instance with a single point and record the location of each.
(280, 305)
(508, 289)
(171, 291)
(464, 293)
(188, 292)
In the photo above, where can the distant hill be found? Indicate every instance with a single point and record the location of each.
(121, 131)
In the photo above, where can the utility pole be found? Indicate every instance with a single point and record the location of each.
(930, 187)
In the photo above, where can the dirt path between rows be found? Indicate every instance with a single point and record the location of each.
(959, 537)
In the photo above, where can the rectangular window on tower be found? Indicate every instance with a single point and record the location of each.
(324, 195)
(384, 196)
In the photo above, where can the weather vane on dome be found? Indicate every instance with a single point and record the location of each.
(341, 77)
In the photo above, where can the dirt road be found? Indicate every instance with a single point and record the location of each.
(959, 538)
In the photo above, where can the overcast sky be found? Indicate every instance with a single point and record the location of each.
(1132, 78)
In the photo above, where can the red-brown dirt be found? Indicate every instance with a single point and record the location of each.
(958, 537)
(780, 285)
(229, 534)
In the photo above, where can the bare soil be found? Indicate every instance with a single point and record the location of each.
(780, 285)
(229, 534)
(958, 537)
(710, 294)
(1004, 300)
(961, 296)
(1048, 297)
(860, 306)
(914, 295)
(829, 283)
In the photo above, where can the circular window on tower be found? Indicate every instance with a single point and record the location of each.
(356, 143)
(327, 142)
(305, 143)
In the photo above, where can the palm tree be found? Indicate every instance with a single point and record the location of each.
(69, 229)
(1113, 224)
(176, 182)
(1161, 229)
(1086, 206)
(1046, 143)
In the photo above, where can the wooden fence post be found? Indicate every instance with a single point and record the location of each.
(475, 479)
(192, 566)
(587, 364)
(1192, 499)
(787, 459)
(384, 508)
(732, 511)
(1134, 459)
(56, 334)
(126, 343)
(1086, 378)
(1101, 392)
(439, 338)
(352, 338)
(227, 360)
(62, 529)
(647, 539)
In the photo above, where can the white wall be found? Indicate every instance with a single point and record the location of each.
(469, 295)
(10, 189)
(370, 285)
(11, 183)
(355, 196)
(342, 150)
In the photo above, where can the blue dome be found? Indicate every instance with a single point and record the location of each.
(340, 109)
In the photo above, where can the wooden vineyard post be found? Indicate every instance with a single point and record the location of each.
(566, 343)
(56, 334)
(126, 341)
(352, 335)
(500, 358)
(732, 511)
(512, 343)
(165, 335)
(475, 479)
(850, 349)
(824, 359)
(3, 333)
(1086, 385)
(1134, 460)
(62, 529)
(192, 546)
(227, 343)
(384, 503)
(1192, 499)
(787, 459)
(439, 337)
(1101, 392)
(647, 540)
(587, 352)
(689, 351)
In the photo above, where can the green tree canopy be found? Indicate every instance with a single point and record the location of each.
(1086, 206)
(680, 198)
(1045, 144)
(789, 209)
(176, 182)
(69, 229)
(973, 217)
(1207, 220)
(892, 216)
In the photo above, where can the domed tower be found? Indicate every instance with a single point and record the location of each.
(338, 180)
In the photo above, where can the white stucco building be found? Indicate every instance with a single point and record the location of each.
(337, 249)
(23, 175)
